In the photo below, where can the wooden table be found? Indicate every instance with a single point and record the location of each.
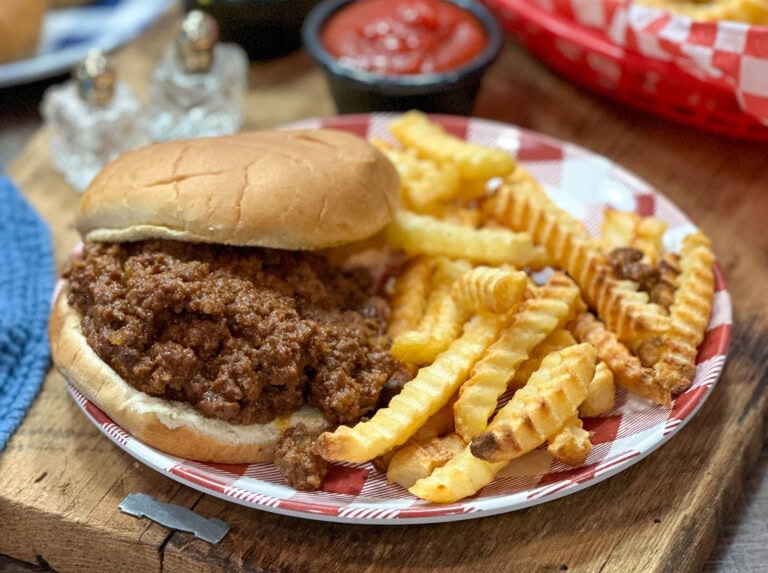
(61, 480)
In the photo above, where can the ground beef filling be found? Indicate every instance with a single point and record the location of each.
(298, 461)
(627, 263)
(243, 335)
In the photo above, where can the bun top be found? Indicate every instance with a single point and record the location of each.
(300, 189)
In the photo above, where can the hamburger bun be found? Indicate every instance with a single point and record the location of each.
(296, 190)
(20, 25)
(291, 190)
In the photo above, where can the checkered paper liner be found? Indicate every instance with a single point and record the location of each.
(68, 34)
(584, 184)
(707, 74)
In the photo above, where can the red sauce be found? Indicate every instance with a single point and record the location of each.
(397, 37)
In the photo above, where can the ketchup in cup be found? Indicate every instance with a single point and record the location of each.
(404, 37)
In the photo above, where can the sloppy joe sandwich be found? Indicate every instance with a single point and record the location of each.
(198, 316)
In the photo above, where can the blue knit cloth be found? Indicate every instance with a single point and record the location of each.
(26, 286)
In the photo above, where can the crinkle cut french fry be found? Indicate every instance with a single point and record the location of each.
(459, 215)
(471, 190)
(430, 140)
(421, 346)
(625, 309)
(522, 181)
(601, 393)
(539, 409)
(441, 321)
(424, 183)
(571, 444)
(625, 229)
(410, 297)
(487, 289)
(627, 369)
(649, 236)
(689, 314)
(422, 234)
(415, 461)
(617, 229)
(461, 477)
(557, 340)
(420, 398)
(555, 304)
(663, 293)
(438, 424)
(751, 11)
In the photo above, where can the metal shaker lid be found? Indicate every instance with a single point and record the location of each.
(95, 78)
(195, 42)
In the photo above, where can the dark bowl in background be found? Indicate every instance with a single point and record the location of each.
(360, 91)
(264, 28)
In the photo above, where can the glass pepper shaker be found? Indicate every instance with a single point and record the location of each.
(199, 85)
(92, 119)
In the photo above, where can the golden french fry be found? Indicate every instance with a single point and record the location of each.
(689, 314)
(523, 182)
(625, 229)
(487, 289)
(438, 424)
(420, 398)
(539, 259)
(430, 140)
(460, 215)
(440, 325)
(441, 321)
(554, 304)
(649, 236)
(663, 292)
(462, 476)
(539, 409)
(471, 190)
(422, 234)
(424, 183)
(627, 369)
(571, 444)
(557, 340)
(601, 393)
(751, 11)
(415, 461)
(617, 229)
(410, 296)
(625, 309)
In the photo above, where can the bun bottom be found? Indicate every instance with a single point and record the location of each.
(172, 427)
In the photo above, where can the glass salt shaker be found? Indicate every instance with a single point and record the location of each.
(199, 85)
(92, 118)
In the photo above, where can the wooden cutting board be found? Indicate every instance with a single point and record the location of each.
(61, 480)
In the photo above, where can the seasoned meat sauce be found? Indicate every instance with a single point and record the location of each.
(241, 334)
(627, 263)
(298, 461)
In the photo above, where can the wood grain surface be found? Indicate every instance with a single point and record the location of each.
(61, 480)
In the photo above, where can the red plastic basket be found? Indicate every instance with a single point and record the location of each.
(589, 58)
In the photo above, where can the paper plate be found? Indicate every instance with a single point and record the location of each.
(579, 181)
(68, 34)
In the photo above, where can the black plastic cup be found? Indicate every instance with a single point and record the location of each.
(360, 91)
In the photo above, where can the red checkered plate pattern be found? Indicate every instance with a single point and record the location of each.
(581, 182)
